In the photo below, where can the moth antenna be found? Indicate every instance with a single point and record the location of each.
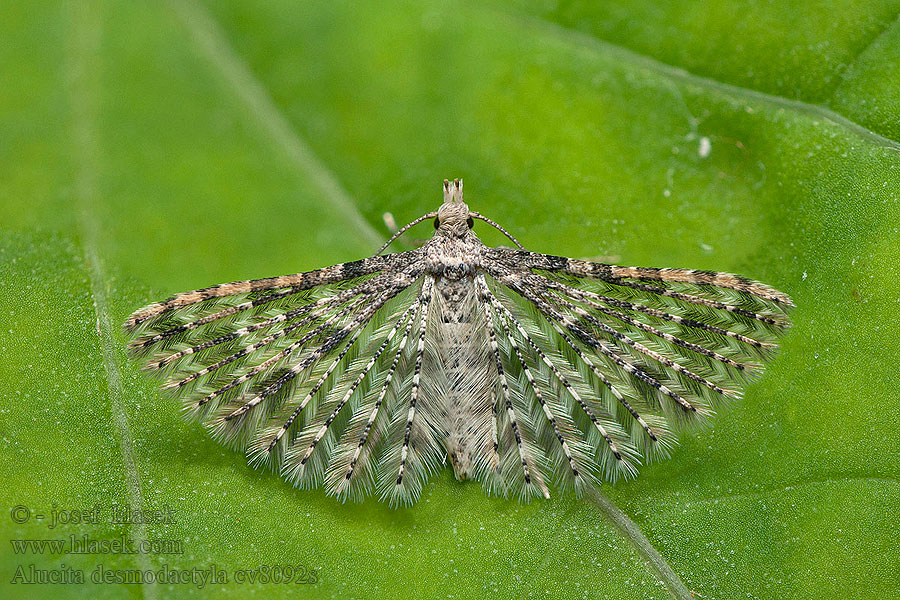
(496, 226)
(404, 229)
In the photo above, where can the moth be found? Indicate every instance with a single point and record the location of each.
(524, 371)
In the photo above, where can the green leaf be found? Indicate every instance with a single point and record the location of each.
(150, 148)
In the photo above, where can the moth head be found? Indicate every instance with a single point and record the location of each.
(453, 215)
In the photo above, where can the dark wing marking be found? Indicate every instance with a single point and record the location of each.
(607, 272)
(286, 366)
(649, 358)
(574, 438)
(297, 282)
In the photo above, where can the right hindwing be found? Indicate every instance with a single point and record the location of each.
(602, 366)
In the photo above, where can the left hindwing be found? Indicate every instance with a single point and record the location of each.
(271, 365)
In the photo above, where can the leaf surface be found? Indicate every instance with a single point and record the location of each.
(153, 148)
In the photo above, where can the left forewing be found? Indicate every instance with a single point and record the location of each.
(243, 355)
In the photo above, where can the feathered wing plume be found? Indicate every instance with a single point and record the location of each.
(525, 371)
(319, 375)
(620, 358)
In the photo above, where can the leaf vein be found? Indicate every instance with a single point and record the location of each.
(652, 557)
(83, 85)
(571, 36)
(212, 42)
(847, 68)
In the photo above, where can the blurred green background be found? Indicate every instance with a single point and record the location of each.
(151, 147)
